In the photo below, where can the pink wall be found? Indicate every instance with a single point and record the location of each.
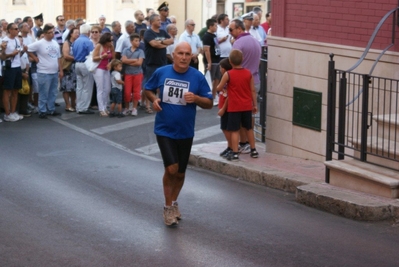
(344, 22)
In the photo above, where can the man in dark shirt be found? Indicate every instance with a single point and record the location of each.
(116, 31)
(212, 53)
(155, 40)
(139, 24)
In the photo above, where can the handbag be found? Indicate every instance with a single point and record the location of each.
(65, 64)
(25, 90)
(90, 64)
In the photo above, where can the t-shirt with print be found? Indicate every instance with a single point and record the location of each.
(136, 54)
(48, 53)
(155, 56)
(116, 76)
(11, 46)
(177, 118)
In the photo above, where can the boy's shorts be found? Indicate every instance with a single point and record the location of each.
(239, 119)
(224, 120)
(116, 95)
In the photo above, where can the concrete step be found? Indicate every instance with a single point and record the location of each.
(364, 177)
(382, 148)
(348, 203)
(388, 126)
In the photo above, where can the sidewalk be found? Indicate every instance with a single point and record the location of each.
(303, 177)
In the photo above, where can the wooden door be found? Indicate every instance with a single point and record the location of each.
(74, 9)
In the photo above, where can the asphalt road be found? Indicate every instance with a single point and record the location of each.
(86, 191)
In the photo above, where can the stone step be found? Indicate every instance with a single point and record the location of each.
(381, 148)
(388, 126)
(365, 177)
(348, 203)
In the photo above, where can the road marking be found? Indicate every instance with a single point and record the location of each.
(102, 139)
(199, 135)
(123, 125)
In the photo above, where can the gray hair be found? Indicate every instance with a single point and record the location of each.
(85, 28)
(129, 22)
(69, 23)
(189, 21)
(114, 23)
(170, 26)
(152, 18)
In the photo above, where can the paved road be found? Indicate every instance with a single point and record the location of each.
(73, 193)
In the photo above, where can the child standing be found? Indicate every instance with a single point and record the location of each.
(133, 57)
(224, 66)
(241, 103)
(116, 88)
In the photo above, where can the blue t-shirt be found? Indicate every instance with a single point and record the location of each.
(176, 120)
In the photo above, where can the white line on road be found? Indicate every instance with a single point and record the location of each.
(199, 135)
(123, 125)
(102, 139)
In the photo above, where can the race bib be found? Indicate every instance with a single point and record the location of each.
(174, 90)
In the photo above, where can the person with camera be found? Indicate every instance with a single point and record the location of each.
(12, 73)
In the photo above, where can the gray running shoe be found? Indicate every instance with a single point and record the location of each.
(175, 207)
(169, 216)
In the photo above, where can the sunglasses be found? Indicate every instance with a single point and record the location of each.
(94, 32)
(15, 29)
(230, 29)
(192, 25)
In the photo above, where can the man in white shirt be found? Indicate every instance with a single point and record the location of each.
(257, 31)
(11, 51)
(223, 36)
(49, 70)
(194, 40)
(124, 41)
(69, 25)
(171, 29)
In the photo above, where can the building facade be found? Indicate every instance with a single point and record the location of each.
(304, 33)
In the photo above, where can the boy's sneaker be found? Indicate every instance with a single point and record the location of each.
(232, 156)
(254, 153)
(10, 118)
(244, 149)
(224, 152)
(112, 114)
(176, 210)
(126, 112)
(121, 115)
(17, 116)
(134, 112)
(35, 110)
(169, 216)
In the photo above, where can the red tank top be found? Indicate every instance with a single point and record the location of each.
(239, 90)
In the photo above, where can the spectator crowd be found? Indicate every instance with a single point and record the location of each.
(101, 70)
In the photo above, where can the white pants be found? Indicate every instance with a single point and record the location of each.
(84, 87)
(103, 83)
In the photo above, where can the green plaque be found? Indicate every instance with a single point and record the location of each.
(306, 110)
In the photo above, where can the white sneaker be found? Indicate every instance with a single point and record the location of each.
(134, 112)
(17, 116)
(9, 118)
(126, 112)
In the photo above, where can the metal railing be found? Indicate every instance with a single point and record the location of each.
(367, 110)
(366, 127)
(260, 117)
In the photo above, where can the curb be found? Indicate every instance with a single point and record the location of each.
(308, 191)
(245, 171)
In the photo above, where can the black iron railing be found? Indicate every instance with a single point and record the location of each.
(260, 118)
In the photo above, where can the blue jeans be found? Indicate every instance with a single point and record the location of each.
(48, 90)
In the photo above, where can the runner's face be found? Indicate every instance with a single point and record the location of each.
(182, 57)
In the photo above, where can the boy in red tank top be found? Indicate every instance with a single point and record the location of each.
(241, 102)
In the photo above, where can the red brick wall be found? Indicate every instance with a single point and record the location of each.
(344, 22)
